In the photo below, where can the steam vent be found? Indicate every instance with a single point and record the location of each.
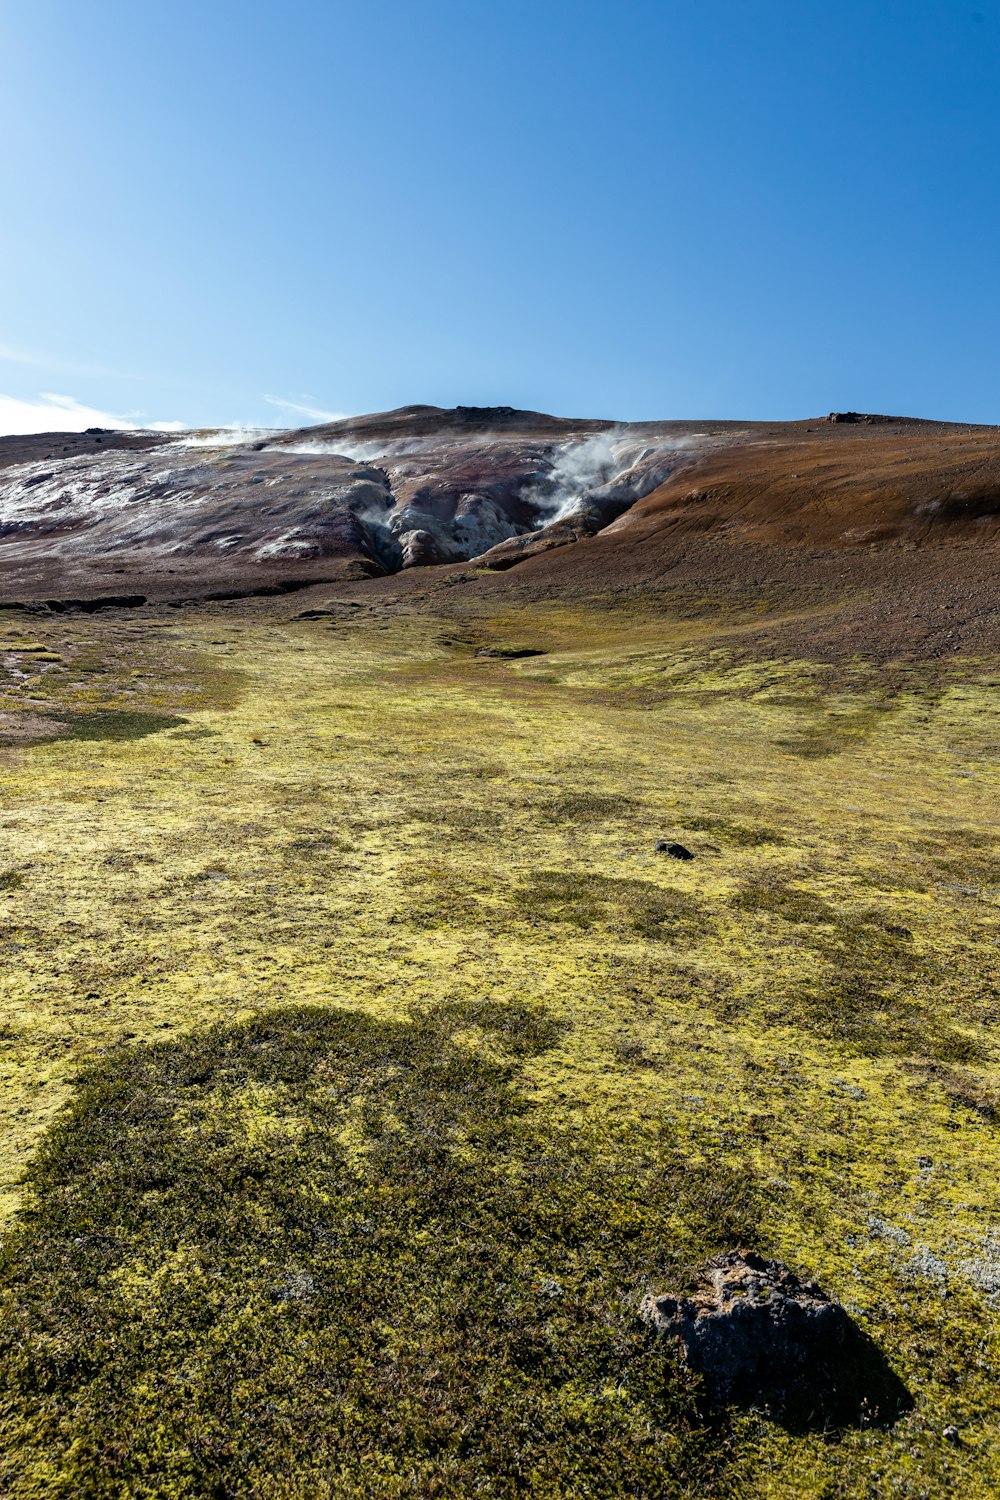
(356, 499)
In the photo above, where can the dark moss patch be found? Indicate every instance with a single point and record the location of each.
(833, 733)
(320, 845)
(743, 835)
(864, 1013)
(585, 900)
(321, 1254)
(970, 869)
(584, 807)
(869, 941)
(467, 820)
(851, 1010)
(963, 1091)
(958, 838)
(631, 1053)
(790, 902)
(873, 993)
(972, 1094)
(11, 880)
(866, 937)
(201, 733)
(437, 894)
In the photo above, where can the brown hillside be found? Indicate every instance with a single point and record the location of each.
(868, 540)
(845, 491)
(871, 535)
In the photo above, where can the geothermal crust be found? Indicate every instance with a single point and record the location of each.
(361, 498)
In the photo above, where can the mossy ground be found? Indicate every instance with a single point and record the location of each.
(363, 1063)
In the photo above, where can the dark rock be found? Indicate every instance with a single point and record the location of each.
(676, 851)
(486, 413)
(951, 1435)
(751, 1328)
(761, 1337)
(420, 548)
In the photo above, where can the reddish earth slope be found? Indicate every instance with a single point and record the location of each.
(877, 532)
(879, 541)
(846, 490)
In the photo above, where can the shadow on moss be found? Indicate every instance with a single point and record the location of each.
(117, 724)
(874, 994)
(319, 1253)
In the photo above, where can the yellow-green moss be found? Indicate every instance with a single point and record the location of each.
(366, 814)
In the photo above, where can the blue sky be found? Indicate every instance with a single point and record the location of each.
(222, 212)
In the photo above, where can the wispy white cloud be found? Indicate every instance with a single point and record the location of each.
(53, 413)
(37, 360)
(312, 412)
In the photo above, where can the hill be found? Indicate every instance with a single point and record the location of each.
(570, 505)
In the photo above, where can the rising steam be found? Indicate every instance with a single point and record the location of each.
(580, 468)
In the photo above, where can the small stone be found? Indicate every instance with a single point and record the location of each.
(951, 1435)
(676, 851)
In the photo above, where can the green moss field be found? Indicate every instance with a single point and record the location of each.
(363, 1065)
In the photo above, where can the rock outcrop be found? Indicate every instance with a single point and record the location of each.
(760, 1336)
(752, 1329)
